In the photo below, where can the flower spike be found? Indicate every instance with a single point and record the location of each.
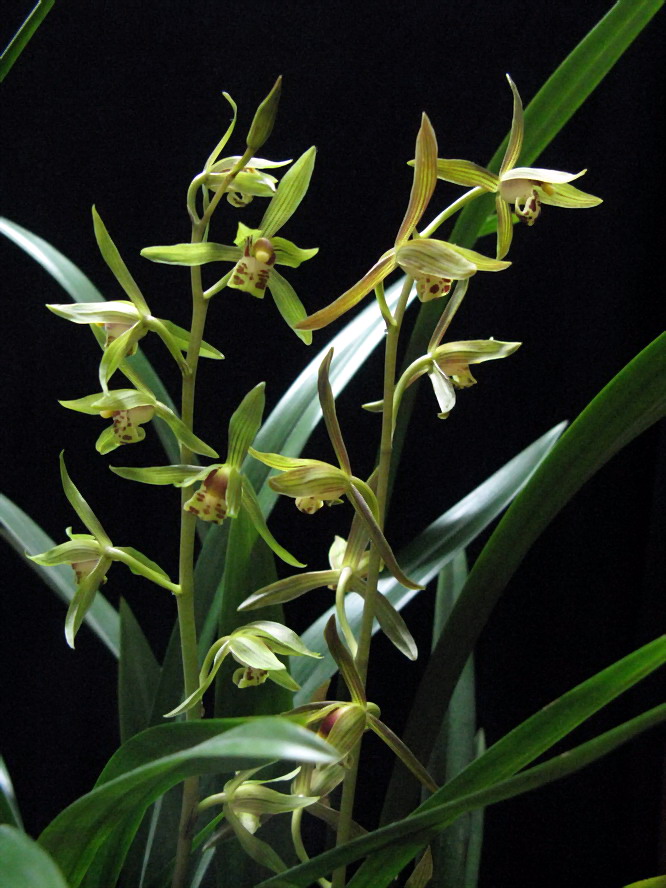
(257, 250)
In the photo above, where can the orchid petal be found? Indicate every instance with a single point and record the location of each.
(327, 402)
(538, 174)
(115, 262)
(244, 424)
(504, 227)
(289, 588)
(191, 254)
(428, 256)
(464, 172)
(288, 304)
(444, 391)
(253, 510)
(515, 144)
(424, 181)
(289, 194)
(80, 506)
(568, 196)
(325, 316)
(179, 476)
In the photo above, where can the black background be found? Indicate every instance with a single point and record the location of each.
(118, 104)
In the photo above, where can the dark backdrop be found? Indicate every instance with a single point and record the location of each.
(119, 104)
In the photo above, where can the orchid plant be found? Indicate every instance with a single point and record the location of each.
(222, 758)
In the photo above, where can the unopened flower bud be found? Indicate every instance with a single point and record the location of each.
(264, 118)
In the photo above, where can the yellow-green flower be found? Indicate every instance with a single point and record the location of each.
(524, 188)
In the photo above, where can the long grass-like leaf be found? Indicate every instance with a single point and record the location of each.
(491, 779)
(94, 833)
(25, 864)
(9, 811)
(629, 404)
(23, 36)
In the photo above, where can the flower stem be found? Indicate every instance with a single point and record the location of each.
(451, 209)
(365, 635)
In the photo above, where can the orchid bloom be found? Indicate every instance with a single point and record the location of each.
(91, 555)
(254, 647)
(257, 251)
(125, 322)
(526, 188)
(246, 804)
(129, 409)
(248, 183)
(432, 263)
(224, 490)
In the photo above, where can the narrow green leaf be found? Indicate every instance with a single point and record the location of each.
(657, 882)
(107, 818)
(455, 748)
(25, 864)
(399, 842)
(25, 536)
(629, 404)
(138, 674)
(9, 811)
(22, 37)
(429, 552)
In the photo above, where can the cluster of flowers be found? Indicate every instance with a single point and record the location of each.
(224, 491)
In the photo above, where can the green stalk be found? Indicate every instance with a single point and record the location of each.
(186, 617)
(365, 635)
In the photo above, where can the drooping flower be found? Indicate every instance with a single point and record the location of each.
(91, 555)
(433, 264)
(130, 409)
(257, 250)
(249, 183)
(224, 490)
(125, 322)
(524, 188)
(254, 647)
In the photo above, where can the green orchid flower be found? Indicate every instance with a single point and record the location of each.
(224, 490)
(126, 322)
(257, 251)
(254, 647)
(343, 723)
(130, 409)
(248, 183)
(432, 263)
(348, 570)
(447, 366)
(91, 555)
(524, 188)
(312, 478)
(246, 804)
